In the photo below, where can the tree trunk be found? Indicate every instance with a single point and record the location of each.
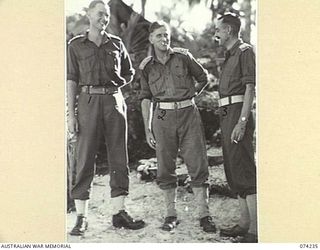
(143, 7)
(246, 33)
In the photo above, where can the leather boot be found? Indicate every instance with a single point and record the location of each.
(170, 223)
(80, 227)
(123, 219)
(233, 231)
(207, 224)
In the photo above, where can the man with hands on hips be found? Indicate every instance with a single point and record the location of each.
(167, 79)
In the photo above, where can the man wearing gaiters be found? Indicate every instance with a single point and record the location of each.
(167, 80)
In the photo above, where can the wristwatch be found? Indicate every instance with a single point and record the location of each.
(244, 119)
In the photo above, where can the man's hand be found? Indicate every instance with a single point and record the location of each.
(73, 126)
(238, 132)
(112, 89)
(150, 139)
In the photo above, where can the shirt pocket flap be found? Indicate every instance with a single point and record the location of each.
(154, 76)
(86, 54)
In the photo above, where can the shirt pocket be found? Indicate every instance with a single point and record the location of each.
(179, 70)
(86, 60)
(155, 82)
(180, 76)
(112, 60)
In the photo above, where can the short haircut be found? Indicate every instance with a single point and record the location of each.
(233, 20)
(156, 25)
(94, 3)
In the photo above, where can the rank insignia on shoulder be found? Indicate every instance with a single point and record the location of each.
(244, 46)
(74, 38)
(145, 62)
(181, 50)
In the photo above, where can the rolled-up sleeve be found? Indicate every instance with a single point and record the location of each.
(127, 71)
(198, 72)
(248, 67)
(72, 65)
(145, 92)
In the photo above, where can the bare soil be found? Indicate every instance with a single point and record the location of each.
(145, 202)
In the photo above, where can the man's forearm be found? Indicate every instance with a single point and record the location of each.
(247, 102)
(200, 87)
(71, 96)
(146, 108)
(202, 82)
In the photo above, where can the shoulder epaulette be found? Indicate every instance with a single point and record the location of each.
(244, 46)
(181, 50)
(145, 62)
(74, 38)
(114, 37)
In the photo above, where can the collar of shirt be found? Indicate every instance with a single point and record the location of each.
(154, 57)
(234, 48)
(105, 37)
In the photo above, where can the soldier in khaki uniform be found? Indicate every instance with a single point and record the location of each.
(168, 81)
(236, 89)
(98, 63)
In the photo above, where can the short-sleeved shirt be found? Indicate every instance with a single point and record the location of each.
(174, 80)
(88, 64)
(238, 70)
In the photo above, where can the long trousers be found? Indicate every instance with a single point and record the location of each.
(180, 129)
(101, 115)
(239, 161)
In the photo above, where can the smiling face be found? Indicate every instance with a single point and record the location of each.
(222, 34)
(160, 38)
(99, 16)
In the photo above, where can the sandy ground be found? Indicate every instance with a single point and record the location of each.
(146, 202)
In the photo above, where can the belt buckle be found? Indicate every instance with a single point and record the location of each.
(87, 88)
(97, 90)
(230, 100)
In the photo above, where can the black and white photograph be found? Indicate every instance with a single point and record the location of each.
(161, 121)
(140, 122)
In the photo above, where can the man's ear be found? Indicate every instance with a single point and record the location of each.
(88, 14)
(150, 38)
(229, 29)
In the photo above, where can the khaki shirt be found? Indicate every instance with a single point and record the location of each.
(238, 70)
(173, 81)
(88, 64)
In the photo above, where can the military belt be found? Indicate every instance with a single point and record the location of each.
(230, 100)
(176, 105)
(98, 90)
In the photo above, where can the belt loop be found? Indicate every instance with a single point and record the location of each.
(229, 100)
(175, 105)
